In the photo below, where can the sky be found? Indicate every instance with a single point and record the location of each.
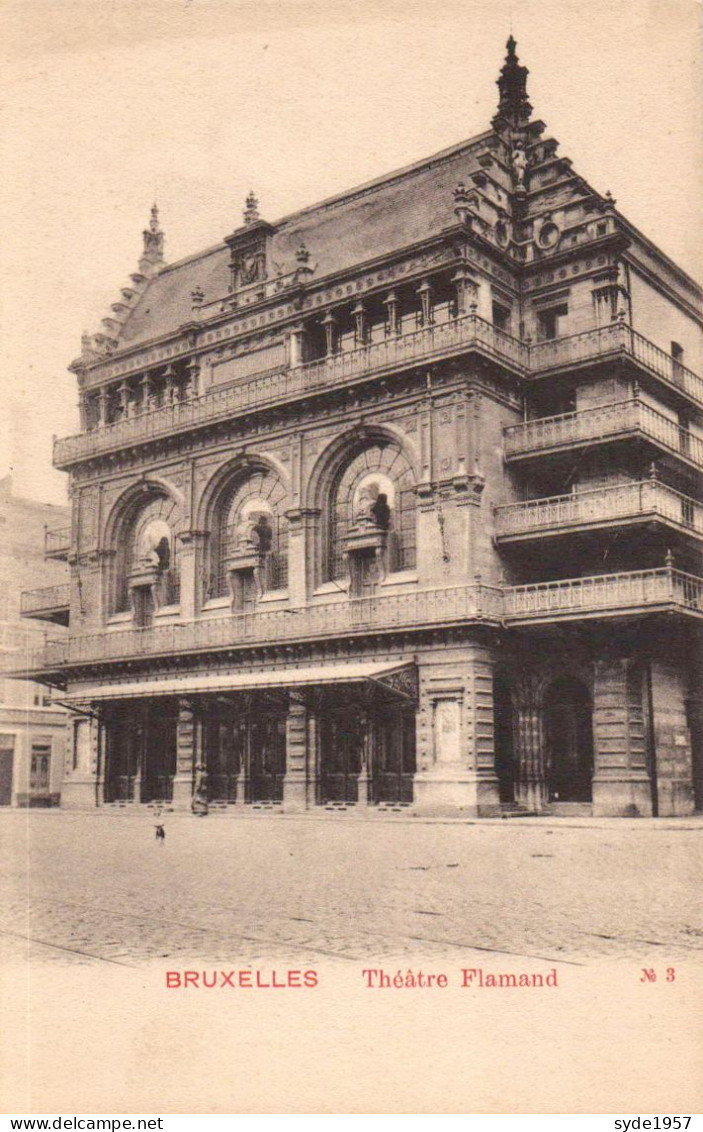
(109, 104)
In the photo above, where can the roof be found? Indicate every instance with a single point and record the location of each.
(374, 219)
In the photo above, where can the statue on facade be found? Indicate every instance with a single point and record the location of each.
(518, 159)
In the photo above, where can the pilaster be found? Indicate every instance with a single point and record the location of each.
(295, 783)
(621, 781)
(188, 743)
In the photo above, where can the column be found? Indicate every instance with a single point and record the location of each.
(329, 322)
(123, 398)
(392, 306)
(313, 778)
(193, 371)
(83, 411)
(146, 392)
(425, 293)
(189, 542)
(295, 783)
(359, 312)
(365, 774)
(295, 346)
(102, 407)
(188, 743)
(531, 785)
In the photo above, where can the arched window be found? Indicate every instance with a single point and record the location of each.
(376, 471)
(146, 539)
(260, 501)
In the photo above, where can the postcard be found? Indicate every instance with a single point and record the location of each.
(351, 726)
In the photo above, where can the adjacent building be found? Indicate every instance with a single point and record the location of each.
(32, 727)
(394, 502)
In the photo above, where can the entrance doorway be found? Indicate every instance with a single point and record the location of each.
(393, 756)
(342, 739)
(568, 718)
(267, 755)
(141, 751)
(367, 734)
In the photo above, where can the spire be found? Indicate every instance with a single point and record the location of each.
(514, 108)
(153, 254)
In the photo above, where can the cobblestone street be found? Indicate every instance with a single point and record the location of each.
(93, 889)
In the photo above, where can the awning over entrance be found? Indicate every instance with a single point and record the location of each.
(400, 679)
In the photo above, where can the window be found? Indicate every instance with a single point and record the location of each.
(148, 540)
(41, 698)
(549, 322)
(40, 766)
(259, 500)
(604, 305)
(390, 465)
(501, 317)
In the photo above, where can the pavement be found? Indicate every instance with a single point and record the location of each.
(97, 888)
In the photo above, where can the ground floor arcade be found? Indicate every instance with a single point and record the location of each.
(468, 728)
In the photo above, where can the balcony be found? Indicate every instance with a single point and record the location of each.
(662, 590)
(442, 340)
(605, 595)
(349, 617)
(616, 340)
(50, 603)
(57, 543)
(618, 421)
(640, 501)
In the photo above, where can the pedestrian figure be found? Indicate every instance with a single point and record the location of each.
(159, 830)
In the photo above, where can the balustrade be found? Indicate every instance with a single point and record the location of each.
(615, 339)
(57, 542)
(621, 501)
(602, 422)
(624, 592)
(639, 590)
(281, 384)
(48, 598)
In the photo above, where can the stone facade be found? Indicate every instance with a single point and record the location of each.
(395, 503)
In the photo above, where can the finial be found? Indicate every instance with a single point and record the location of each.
(302, 255)
(609, 202)
(514, 108)
(251, 211)
(669, 560)
(153, 254)
(196, 297)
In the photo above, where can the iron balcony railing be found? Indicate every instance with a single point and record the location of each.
(274, 386)
(641, 591)
(615, 339)
(48, 599)
(57, 543)
(623, 593)
(603, 422)
(627, 501)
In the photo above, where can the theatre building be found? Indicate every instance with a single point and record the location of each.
(394, 502)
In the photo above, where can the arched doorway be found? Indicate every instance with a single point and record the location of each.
(503, 737)
(568, 719)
